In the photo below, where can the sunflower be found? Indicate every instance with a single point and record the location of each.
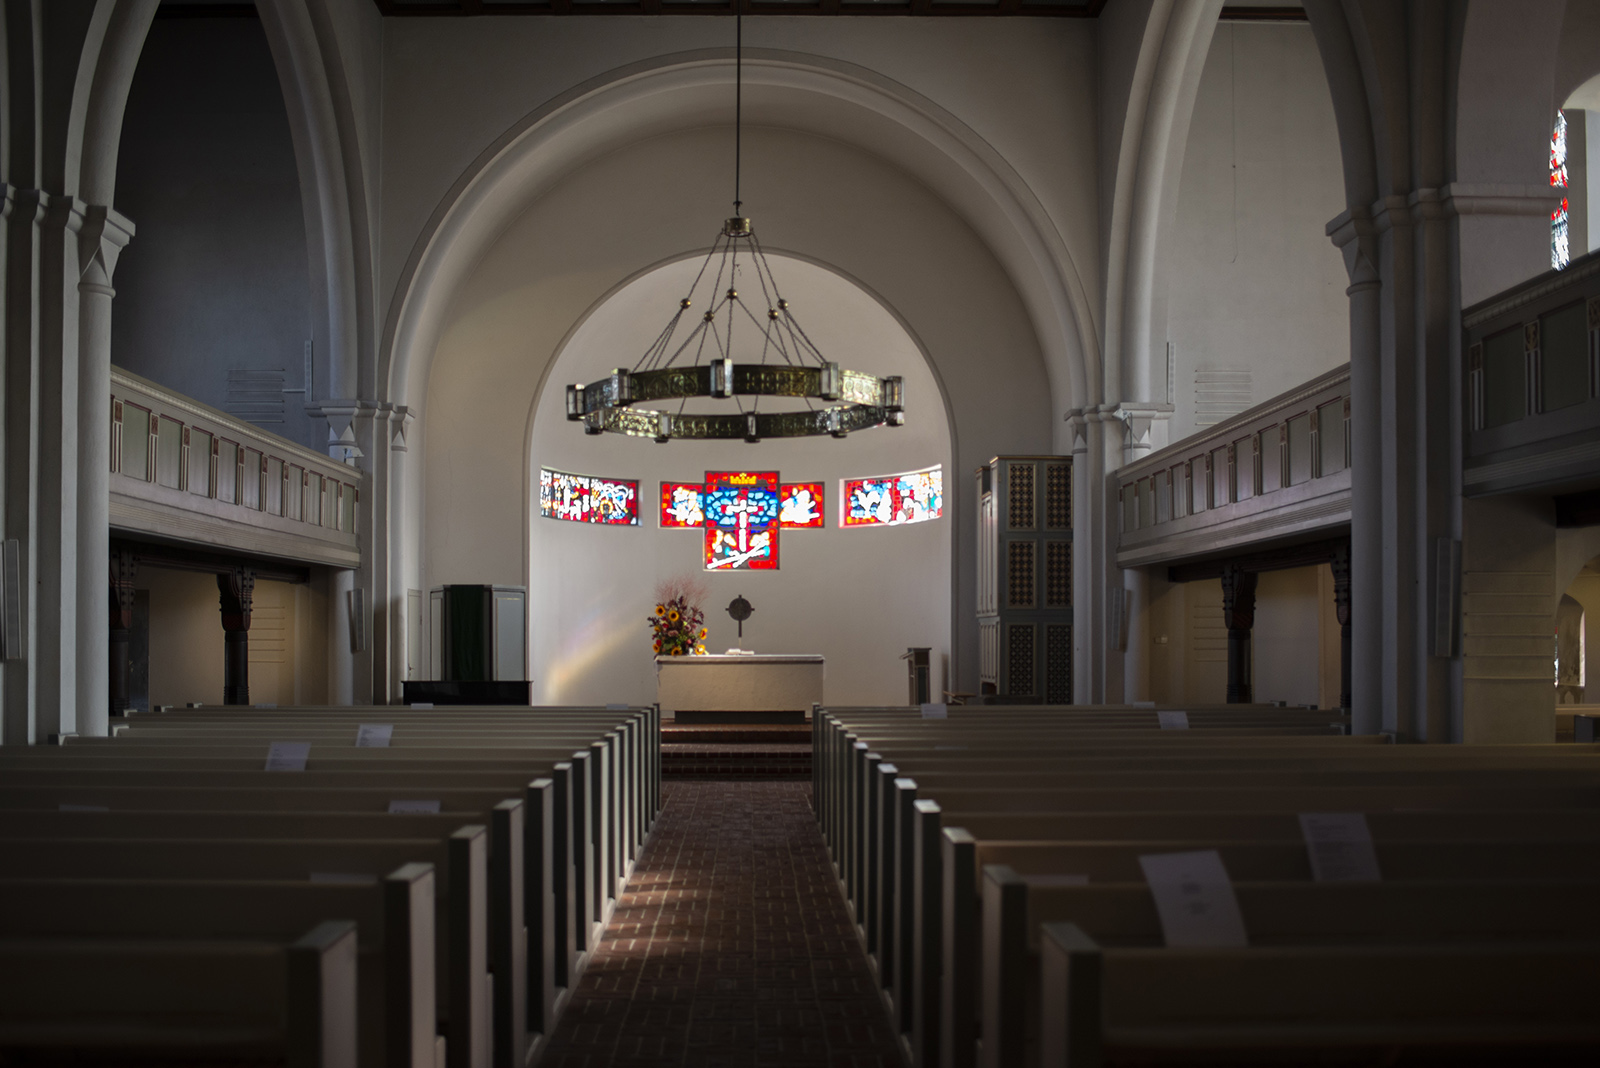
(672, 615)
(658, 645)
(661, 609)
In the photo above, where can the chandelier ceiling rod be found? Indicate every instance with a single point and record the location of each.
(738, 104)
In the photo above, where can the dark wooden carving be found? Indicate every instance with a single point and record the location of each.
(1239, 612)
(237, 590)
(124, 566)
(1341, 606)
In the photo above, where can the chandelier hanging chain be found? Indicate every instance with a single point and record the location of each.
(790, 364)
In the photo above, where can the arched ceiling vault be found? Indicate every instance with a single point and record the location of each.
(803, 92)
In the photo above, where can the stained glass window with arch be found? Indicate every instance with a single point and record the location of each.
(1560, 243)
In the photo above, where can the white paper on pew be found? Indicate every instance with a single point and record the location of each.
(412, 808)
(344, 878)
(1056, 880)
(288, 756)
(374, 735)
(616, 708)
(83, 808)
(1341, 847)
(1173, 721)
(935, 711)
(1194, 898)
(421, 704)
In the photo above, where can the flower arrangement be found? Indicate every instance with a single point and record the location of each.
(678, 623)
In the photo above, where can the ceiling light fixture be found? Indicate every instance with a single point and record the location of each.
(701, 365)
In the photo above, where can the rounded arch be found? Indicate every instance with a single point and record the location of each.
(890, 578)
(584, 234)
(811, 93)
(326, 152)
(111, 51)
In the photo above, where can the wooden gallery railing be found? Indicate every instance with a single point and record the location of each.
(1278, 470)
(1532, 384)
(183, 470)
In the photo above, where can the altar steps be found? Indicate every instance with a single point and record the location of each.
(735, 751)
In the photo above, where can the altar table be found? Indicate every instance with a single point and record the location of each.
(739, 689)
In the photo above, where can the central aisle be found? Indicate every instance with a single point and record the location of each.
(732, 947)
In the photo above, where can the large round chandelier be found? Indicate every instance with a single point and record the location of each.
(638, 401)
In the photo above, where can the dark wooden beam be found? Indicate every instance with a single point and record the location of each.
(1278, 558)
(1263, 14)
(907, 9)
(176, 557)
(207, 11)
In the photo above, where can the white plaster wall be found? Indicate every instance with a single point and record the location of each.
(216, 276)
(185, 636)
(1506, 103)
(860, 597)
(1255, 282)
(1286, 646)
(656, 201)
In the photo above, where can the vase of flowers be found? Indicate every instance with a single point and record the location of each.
(678, 624)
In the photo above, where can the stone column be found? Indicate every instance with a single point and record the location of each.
(1355, 235)
(123, 567)
(1239, 610)
(54, 554)
(1341, 606)
(237, 588)
(103, 236)
(398, 539)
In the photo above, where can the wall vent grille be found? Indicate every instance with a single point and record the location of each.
(255, 395)
(1221, 393)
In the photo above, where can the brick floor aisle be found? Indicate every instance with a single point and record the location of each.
(731, 947)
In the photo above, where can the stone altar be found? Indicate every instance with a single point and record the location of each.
(749, 688)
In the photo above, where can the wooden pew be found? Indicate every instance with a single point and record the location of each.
(393, 768)
(855, 808)
(181, 999)
(645, 721)
(1366, 1004)
(394, 931)
(612, 790)
(1347, 915)
(550, 939)
(530, 885)
(557, 859)
(486, 921)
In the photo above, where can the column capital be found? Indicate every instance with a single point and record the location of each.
(237, 591)
(105, 232)
(342, 415)
(1139, 420)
